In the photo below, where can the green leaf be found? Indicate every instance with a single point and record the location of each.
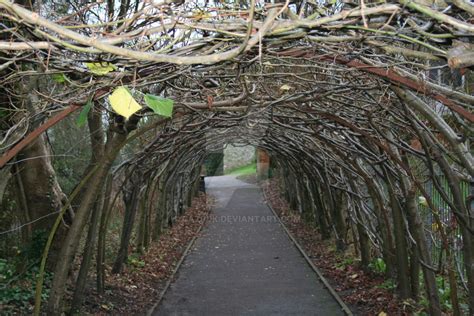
(123, 102)
(59, 78)
(159, 105)
(101, 69)
(81, 120)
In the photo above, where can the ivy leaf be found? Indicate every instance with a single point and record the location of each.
(159, 105)
(123, 102)
(101, 69)
(59, 78)
(81, 120)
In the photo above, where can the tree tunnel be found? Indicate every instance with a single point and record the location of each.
(364, 108)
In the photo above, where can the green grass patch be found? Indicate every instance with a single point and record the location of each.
(248, 169)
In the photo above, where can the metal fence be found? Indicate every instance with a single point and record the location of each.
(447, 219)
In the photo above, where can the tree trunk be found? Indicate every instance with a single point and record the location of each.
(320, 213)
(44, 196)
(338, 211)
(104, 220)
(158, 224)
(131, 200)
(401, 250)
(424, 253)
(87, 256)
(71, 242)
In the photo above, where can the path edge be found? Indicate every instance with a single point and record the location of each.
(333, 292)
(175, 271)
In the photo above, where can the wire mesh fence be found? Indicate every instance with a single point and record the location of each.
(449, 223)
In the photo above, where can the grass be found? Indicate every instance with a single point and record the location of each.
(248, 169)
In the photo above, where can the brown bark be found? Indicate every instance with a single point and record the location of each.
(320, 213)
(418, 234)
(131, 200)
(87, 255)
(104, 220)
(71, 242)
(461, 55)
(43, 195)
(401, 249)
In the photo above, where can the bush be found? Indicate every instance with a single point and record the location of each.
(17, 291)
(378, 265)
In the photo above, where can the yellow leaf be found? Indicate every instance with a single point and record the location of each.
(101, 69)
(285, 87)
(123, 103)
(382, 314)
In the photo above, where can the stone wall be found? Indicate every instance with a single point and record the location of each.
(238, 156)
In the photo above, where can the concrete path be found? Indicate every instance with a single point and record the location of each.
(244, 264)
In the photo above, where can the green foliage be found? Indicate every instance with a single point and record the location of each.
(6, 270)
(101, 69)
(59, 78)
(135, 261)
(3, 113)
(18, 276)
(378, 265)
(69, 160)
(82, 119)
(345, 263)
(244, 170)
(444, 292)
(34, 250)
(159, 105)
(388, 285)
(17, 291)
(214, 164)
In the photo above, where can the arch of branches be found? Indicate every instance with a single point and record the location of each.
(364, 107)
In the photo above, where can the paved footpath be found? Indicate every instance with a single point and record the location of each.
(244, 264)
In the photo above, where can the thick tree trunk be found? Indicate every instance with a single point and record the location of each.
(44, 196)
(71, 242)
